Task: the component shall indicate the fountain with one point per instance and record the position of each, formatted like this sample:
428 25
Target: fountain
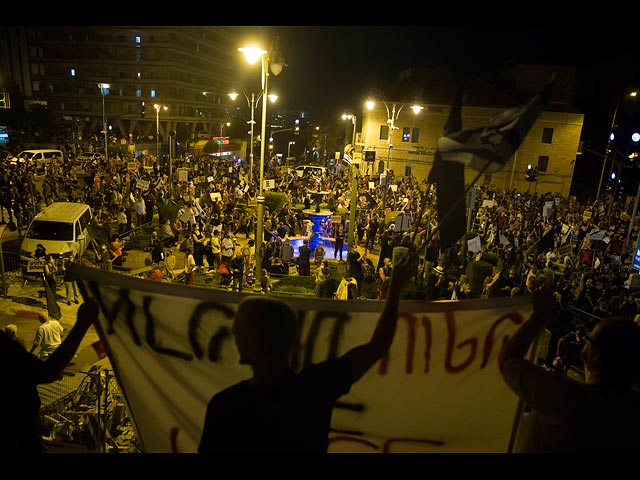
316 215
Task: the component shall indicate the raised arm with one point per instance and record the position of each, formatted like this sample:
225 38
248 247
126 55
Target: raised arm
519 343
364 356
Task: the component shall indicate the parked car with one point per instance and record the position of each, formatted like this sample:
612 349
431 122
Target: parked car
41 157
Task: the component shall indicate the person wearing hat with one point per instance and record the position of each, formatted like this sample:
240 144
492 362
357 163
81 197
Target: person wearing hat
436 283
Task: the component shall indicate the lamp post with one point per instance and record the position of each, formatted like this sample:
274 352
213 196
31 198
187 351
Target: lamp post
354 180
289 148
274 61
252 104
393 112
611 135
104 88
158 107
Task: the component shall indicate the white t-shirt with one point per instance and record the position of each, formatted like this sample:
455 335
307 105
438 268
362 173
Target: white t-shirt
190 264
48 337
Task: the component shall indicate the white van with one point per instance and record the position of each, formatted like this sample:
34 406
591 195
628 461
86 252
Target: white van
40 157
62 228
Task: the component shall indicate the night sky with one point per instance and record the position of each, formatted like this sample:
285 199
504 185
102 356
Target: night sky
333 68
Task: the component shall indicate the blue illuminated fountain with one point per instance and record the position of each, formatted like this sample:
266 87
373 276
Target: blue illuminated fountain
316 216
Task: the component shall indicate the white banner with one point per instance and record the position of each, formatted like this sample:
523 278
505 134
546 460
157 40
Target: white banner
438 390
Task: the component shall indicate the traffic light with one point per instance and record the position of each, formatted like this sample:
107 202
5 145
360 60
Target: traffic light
296 129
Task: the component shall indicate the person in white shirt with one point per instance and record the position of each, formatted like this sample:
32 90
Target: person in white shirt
48 336
190 267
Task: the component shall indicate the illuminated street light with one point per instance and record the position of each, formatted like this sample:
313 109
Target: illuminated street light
273 61
104 89
611 137
158 107
354 179
393 111
253 103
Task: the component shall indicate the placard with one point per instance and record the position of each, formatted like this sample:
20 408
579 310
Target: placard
142 184
474 244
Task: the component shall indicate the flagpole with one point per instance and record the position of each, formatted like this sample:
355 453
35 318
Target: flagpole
452 208
432 233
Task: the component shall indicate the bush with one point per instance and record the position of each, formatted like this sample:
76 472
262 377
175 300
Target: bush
490 257
477 271
398 254
413 291
368 291
275 201
167 209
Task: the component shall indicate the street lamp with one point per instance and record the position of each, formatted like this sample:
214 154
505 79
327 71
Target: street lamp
222 125
253 103
273 61
611 136
393 111
354 180
158 107
104 89
289 148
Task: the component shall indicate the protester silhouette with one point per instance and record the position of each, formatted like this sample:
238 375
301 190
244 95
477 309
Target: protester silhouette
22 372
278 409
601 414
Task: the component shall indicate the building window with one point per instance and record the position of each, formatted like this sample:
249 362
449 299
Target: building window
153 93
487 178
547 135
138 92
73 72
543 163
139 75
137 39
415 135
384 132
407 170
406 134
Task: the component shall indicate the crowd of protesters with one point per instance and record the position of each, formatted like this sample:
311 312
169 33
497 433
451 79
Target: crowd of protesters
575 247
